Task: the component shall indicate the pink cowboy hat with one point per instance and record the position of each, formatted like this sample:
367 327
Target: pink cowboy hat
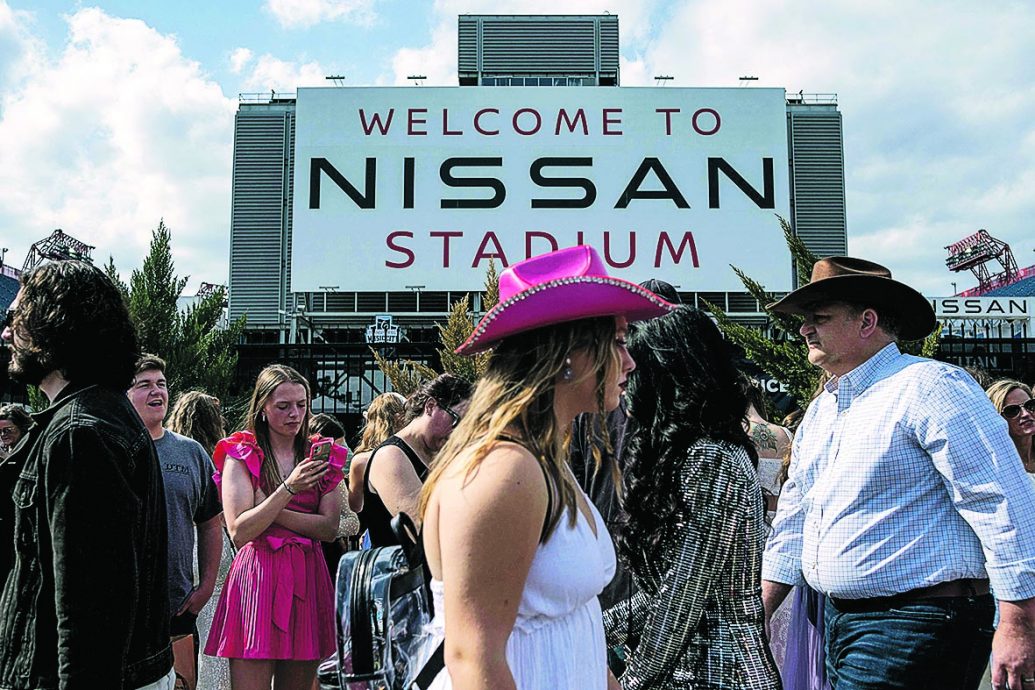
561 286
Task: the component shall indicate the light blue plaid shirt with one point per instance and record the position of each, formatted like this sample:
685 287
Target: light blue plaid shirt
903 476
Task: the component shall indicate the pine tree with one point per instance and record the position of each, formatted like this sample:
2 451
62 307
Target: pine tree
199 353
781 353
406 375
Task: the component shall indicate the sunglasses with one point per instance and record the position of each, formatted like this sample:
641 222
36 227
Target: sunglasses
9 318
449 411
7 431
1011 411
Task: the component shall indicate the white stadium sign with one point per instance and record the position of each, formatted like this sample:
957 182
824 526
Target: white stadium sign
397 186
1008 308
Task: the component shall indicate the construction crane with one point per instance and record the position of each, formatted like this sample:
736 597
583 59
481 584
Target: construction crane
209 289
58 247
973 254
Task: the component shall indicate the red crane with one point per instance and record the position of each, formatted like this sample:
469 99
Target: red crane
973 254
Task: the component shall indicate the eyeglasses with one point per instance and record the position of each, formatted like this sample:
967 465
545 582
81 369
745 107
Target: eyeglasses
1011 411
449 411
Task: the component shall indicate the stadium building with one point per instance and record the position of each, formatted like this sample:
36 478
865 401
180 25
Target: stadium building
360 215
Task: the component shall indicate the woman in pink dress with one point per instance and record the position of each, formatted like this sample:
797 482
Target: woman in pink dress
275 615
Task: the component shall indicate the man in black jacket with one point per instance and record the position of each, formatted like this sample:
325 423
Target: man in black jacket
86 605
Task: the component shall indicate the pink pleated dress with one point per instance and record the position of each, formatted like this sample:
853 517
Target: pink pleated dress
278 600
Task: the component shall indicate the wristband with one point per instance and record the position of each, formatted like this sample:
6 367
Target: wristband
288 488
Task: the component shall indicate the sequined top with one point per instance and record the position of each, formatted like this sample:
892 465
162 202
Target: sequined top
698 613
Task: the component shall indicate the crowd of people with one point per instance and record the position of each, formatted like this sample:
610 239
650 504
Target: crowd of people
608 506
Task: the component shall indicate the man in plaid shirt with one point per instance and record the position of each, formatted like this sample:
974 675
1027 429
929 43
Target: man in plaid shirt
905 501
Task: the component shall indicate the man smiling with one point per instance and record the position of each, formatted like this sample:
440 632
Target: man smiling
191 502
905 500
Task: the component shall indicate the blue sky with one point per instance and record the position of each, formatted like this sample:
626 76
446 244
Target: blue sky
116 114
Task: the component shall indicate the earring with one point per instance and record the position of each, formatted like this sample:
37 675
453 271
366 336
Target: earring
262 416
567 373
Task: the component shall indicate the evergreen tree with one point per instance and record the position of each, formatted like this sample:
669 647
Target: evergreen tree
782 353
406 375
200 353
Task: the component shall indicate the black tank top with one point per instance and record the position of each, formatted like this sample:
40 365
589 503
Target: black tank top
375 516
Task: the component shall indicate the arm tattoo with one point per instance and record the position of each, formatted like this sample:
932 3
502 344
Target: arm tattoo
763 437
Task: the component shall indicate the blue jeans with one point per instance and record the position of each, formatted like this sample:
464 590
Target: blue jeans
939 644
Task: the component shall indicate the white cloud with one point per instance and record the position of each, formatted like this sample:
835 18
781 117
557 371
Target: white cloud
273 74
114 133
239 58
938 134
436 61
20 51
305 13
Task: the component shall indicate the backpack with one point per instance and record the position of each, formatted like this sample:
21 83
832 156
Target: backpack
383 607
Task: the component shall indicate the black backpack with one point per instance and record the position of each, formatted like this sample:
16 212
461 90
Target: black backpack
383 608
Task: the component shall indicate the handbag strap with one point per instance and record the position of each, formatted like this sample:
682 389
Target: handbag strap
431 669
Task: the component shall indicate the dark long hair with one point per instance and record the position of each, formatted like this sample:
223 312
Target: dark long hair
685 388
76 322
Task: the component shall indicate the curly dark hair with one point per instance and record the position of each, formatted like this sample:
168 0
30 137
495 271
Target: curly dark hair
75 321
685 387
445 389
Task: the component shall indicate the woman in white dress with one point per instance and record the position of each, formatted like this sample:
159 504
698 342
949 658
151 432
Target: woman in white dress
517 552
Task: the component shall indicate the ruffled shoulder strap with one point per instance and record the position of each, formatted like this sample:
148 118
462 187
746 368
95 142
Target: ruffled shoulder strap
336 467
239 446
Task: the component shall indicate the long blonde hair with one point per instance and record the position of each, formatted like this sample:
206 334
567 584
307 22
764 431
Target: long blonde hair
516 395
383 418
198 416
267 382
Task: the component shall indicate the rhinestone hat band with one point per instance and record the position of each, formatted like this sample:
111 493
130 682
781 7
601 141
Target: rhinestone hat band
479 331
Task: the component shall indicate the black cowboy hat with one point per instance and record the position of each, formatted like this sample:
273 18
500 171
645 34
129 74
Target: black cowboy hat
844 278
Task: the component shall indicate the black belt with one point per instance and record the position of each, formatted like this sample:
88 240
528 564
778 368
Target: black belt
943 590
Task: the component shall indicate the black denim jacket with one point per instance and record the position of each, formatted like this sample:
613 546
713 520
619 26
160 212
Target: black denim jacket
86 605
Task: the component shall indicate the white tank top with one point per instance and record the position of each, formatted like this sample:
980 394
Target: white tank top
558 637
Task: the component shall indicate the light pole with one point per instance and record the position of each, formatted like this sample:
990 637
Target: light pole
417 289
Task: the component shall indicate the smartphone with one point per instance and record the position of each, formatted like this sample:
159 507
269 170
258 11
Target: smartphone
321 450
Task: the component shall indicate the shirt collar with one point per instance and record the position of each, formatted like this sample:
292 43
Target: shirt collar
849 385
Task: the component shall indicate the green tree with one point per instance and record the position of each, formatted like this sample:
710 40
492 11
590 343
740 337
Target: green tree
781 353
406 375
200 352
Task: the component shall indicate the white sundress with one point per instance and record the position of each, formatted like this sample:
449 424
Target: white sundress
558 637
